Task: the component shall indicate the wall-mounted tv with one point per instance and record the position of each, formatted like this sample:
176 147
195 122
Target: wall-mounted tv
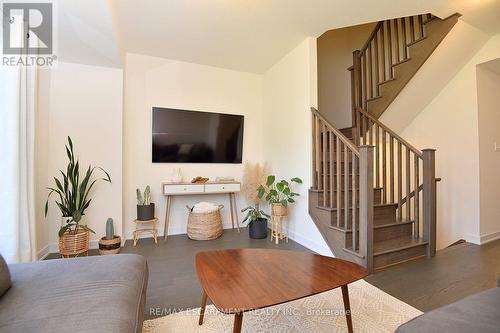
183 136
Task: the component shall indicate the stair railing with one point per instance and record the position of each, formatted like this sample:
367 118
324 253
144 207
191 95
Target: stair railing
399 169
344 174
387 46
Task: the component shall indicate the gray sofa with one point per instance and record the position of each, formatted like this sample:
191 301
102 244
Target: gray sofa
476 313
90 294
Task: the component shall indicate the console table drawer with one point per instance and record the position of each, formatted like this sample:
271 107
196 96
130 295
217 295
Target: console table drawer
183 189
222 188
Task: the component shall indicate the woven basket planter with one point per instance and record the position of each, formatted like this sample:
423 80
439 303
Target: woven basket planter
110 246
74 245
204 226
278 209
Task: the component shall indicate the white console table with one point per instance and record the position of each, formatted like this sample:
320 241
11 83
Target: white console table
172 189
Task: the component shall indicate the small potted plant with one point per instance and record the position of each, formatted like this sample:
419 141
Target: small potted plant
73 199
256 221
111 243
278 194
145 208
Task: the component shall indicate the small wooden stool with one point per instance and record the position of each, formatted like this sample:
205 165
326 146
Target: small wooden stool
153 230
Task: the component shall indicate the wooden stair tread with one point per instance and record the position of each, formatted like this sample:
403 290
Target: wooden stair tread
396 244
401 62
386 81
387 225
350 207
416 41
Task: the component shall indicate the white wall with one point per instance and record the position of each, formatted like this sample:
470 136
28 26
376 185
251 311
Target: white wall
488 89
451 55
450 124
84 102
150 82
289 92
335 49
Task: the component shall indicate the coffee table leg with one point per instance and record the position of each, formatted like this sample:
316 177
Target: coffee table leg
203 306
347 307
238 321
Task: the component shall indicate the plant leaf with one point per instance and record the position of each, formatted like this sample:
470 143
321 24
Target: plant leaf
284 203
296 180
270 180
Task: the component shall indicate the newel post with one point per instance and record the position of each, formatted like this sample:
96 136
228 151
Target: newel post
366 205
430 200
356 84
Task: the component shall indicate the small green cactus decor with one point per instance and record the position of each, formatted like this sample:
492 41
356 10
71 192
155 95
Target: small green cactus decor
110 244
145 208
110 231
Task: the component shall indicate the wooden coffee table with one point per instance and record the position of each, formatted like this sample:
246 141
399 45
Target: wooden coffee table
240 280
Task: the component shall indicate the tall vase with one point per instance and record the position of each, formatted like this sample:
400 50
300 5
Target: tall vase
177 176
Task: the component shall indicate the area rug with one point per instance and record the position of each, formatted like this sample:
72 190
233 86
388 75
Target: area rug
373 311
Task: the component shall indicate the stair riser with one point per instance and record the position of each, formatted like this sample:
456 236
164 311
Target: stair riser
381 215
377 197
382 234
392 258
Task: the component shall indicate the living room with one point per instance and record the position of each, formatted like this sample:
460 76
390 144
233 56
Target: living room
283 107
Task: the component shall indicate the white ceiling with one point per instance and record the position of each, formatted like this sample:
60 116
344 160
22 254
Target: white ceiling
244 35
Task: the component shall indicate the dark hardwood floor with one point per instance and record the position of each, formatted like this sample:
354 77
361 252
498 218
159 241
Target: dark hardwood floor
426 284
173 283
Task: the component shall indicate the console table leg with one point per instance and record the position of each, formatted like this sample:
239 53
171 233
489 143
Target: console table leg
236 212
238 321
203 306
231 207
347 307
167 215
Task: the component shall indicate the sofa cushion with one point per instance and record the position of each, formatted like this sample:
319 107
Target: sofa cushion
476 313
91 294
4 276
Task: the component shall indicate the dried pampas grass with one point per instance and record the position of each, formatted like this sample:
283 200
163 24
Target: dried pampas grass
254 174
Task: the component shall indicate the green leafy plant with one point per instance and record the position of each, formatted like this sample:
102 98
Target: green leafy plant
278 192
73 192
253 214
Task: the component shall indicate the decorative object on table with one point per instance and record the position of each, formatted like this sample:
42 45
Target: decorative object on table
279 195
138 230
73 200
204 221
145 208
224 179
177 176
253 176
111 243
199 180
256 221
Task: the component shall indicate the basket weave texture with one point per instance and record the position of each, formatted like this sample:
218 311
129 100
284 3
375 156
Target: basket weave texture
74 244
204 226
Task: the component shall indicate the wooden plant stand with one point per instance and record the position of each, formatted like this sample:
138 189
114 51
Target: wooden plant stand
279 228
153 230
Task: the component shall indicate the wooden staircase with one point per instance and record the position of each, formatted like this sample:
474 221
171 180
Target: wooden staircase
395 51
373 196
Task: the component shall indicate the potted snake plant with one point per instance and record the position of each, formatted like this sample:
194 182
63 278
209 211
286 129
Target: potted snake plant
278 194
72 198
145 208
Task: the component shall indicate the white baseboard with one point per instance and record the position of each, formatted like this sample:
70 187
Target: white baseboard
483 239
43 253
490 237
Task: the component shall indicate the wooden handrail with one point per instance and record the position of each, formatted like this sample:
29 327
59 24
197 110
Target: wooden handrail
372 35
345 140
391 132
420 188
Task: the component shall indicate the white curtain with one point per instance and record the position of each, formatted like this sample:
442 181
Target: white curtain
17 133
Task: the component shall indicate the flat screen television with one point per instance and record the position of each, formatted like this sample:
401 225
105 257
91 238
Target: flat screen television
184 136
